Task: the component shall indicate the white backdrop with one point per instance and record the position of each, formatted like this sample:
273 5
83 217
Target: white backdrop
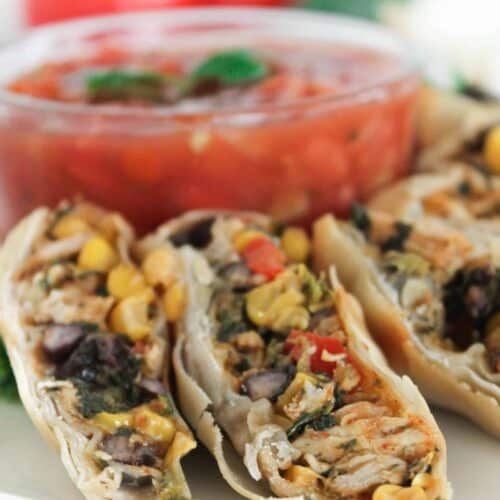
10 18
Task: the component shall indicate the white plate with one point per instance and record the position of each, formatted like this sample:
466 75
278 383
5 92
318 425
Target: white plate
29 469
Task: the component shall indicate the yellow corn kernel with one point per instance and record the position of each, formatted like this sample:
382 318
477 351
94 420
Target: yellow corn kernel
295 243
302 477
280 304
243 238
425 481
386 492
160 267
125 280
97 255
394 492
174 301
130 315
70 225
491 150
181 446
110 422
294 388
412 493
153 425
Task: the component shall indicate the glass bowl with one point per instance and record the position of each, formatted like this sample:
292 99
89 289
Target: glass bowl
294 159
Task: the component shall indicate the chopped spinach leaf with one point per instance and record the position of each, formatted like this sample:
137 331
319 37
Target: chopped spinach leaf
229 326
397 240
349 445
113 399
321 418
274 354
339 396
323 422
230 314
104 370
136 482
464 188
360 218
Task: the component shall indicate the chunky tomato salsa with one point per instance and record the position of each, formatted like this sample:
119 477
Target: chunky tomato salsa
288 129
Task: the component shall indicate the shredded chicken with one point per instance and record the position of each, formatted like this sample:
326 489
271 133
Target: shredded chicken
359 472
368 445
69 305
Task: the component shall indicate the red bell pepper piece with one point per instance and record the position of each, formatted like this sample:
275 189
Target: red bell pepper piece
262 256
298 340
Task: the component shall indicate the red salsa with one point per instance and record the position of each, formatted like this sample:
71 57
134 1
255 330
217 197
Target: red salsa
288 129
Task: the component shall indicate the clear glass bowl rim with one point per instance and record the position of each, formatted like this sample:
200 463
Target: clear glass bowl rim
241 15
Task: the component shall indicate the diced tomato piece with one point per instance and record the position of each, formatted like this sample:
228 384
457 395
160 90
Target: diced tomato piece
298 340
139 347
262 256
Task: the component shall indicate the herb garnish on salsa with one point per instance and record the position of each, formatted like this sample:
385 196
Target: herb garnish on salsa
221 70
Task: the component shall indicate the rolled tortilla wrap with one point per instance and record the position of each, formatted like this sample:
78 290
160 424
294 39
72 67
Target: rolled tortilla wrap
401 290
460 194
450 126
298 428
90 367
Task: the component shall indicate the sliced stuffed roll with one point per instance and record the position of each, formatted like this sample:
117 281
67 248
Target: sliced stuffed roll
278 359
455 127
87 339
460 194
431 295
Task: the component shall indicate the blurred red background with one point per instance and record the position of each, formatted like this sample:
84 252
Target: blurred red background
43 11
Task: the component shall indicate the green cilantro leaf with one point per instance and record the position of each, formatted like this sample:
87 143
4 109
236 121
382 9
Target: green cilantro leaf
120 85
228 68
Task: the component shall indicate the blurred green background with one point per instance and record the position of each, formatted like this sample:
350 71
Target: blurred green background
368 9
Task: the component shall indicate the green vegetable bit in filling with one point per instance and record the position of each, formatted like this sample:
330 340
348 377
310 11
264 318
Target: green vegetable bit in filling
318 420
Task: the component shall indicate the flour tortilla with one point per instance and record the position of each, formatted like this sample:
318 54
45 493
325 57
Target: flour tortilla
50 418
204 391
447 123
444 380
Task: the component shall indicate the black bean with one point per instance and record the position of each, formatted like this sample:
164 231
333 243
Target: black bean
199 235
151 388
130 481
267 384
101 358
59 341
122 449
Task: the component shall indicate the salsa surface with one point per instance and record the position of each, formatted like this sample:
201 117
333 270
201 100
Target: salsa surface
294 151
